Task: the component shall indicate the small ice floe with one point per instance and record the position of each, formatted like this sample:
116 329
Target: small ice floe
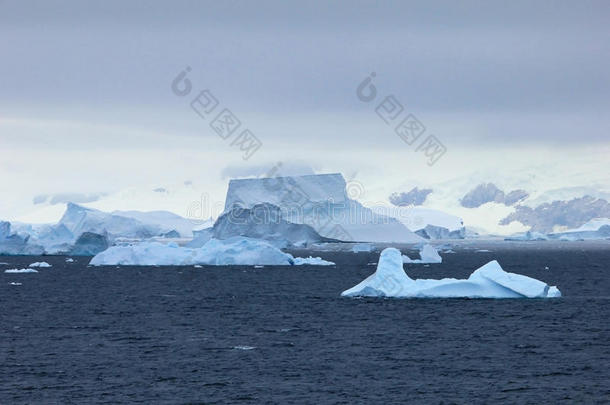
244 347
21 271
14 283
427 254
258 267
546 267
3 263
317 261
488 281
69 260
482 250
198 266
40 264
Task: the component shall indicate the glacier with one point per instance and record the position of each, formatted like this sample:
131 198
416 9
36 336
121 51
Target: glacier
488 281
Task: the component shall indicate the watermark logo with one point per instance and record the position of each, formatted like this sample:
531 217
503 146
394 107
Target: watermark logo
409 128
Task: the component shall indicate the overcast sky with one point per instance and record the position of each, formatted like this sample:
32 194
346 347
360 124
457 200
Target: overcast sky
94 78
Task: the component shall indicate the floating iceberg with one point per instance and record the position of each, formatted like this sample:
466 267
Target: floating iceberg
317 261
40 264
489 281
427 254
265 221
21 271
321 201
232 251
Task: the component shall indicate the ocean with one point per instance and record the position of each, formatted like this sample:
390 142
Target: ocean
77 334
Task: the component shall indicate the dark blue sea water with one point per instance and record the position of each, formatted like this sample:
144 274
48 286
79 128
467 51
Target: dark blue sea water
77 334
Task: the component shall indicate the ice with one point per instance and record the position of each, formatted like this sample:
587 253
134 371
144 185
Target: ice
489 281
17 244
318 261
427 254
21 271
265 221
40 264
362 247
322 202
78 219
89 244
233 251
529 235
165 221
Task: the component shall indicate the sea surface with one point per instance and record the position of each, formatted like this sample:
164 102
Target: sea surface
172 335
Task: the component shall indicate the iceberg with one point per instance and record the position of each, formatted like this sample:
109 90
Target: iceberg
40 264
439 232
488 281
166 222
21 271
316 261
233 251
78 220
264 221
427 254
89 244
322 202
16 244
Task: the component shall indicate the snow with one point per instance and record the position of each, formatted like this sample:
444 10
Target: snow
233 251
489 281
40 264
427 254
318 261
21 271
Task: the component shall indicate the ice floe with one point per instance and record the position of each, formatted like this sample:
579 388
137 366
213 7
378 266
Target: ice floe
40 264
488 281
21 271
317 261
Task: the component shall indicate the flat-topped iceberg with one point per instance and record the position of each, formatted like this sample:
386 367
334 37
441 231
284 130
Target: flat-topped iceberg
232 251
427 254
489 281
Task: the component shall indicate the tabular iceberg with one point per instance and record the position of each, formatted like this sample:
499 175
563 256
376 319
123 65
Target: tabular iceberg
489 281
232 251
321 201
427 254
